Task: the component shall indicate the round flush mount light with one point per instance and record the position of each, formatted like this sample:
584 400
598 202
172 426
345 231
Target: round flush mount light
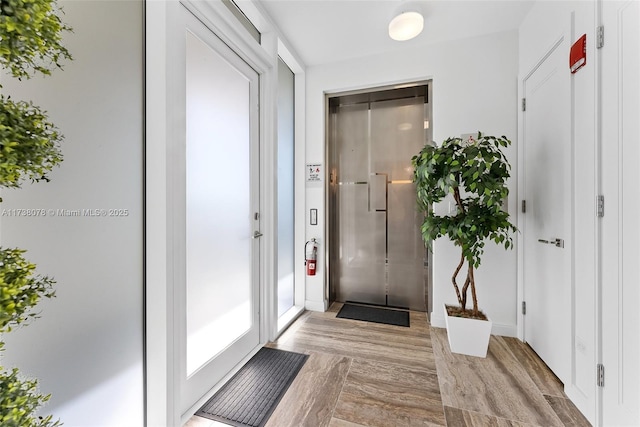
406 25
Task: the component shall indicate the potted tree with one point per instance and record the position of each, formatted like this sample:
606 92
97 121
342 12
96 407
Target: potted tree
473 173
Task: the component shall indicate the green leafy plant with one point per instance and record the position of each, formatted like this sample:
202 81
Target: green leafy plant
31 38
20 289
29 143
31 34
474 172
19 400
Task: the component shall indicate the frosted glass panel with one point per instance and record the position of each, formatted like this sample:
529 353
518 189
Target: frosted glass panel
218 210
285 188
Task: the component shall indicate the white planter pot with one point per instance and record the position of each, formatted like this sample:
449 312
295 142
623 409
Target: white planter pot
468 336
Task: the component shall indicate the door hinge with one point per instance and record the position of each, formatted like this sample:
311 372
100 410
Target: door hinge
600 36
600 375
600 206
524 307
524 104
524 206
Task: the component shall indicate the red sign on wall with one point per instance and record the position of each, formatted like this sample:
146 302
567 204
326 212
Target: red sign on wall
578 55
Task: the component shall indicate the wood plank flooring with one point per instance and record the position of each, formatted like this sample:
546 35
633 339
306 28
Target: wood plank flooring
368 374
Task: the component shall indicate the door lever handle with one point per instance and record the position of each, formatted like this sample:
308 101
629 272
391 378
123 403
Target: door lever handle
256 235
553 241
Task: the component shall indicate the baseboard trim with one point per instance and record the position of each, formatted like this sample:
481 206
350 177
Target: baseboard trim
315 306
582 402
437 319
504 330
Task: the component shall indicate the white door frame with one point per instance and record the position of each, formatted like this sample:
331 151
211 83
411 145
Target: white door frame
619 322
161 364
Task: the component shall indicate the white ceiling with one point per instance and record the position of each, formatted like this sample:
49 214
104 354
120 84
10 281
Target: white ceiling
323 31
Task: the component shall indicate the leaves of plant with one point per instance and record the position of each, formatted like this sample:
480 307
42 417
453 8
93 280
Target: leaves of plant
475 172
20 400
31 37
29 143
20 289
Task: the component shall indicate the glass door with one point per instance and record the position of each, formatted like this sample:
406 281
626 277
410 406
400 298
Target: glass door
217 222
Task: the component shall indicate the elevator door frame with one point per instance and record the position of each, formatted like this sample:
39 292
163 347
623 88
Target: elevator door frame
330 288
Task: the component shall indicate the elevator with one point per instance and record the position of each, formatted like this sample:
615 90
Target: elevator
376 254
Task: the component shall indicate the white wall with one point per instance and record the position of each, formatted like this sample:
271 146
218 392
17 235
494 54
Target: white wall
545 23
474 88
87 349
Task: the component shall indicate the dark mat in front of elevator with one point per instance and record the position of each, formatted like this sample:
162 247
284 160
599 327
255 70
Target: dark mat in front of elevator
374 314
251 395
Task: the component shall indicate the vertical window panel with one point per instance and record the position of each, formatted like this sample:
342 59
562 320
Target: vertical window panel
285 188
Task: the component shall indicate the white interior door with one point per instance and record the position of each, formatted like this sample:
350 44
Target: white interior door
547 192
621 222
216 228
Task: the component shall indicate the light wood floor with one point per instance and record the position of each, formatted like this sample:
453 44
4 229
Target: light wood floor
367 374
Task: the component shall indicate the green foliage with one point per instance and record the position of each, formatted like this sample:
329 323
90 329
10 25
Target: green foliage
20 289
31 35
19 399
30 43
474 172
29 143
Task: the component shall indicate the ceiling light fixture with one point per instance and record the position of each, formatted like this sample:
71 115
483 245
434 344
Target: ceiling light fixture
407 22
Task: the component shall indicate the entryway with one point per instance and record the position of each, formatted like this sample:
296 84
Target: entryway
376 252
215 199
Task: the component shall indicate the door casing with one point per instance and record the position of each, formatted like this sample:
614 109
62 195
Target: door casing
619 227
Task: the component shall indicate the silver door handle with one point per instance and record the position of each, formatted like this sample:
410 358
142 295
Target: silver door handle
256 235
553 241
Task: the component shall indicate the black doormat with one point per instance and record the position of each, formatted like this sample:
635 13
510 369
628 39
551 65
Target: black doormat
374 314
251 395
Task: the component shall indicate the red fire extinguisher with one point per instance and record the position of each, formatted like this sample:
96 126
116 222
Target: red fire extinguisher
311 256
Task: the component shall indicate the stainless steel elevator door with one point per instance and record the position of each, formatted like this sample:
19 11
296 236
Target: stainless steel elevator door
377 255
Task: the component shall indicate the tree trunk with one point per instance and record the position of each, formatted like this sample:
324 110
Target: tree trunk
455 283
473 290
458 199
465 289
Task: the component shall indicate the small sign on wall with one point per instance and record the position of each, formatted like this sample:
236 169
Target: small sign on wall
314 172
578 55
